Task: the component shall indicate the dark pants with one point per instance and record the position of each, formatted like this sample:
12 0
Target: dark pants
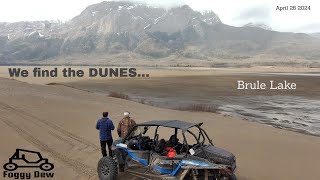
104 147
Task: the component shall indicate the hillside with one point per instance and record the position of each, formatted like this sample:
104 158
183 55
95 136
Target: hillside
141 31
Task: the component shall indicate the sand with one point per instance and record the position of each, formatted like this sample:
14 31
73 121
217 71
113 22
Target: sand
59 122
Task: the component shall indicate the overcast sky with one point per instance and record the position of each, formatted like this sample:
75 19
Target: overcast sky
232 12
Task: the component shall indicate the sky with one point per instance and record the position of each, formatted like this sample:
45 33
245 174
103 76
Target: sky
231 12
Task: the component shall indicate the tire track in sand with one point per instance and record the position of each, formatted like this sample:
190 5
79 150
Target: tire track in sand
59 134
78 166
31 117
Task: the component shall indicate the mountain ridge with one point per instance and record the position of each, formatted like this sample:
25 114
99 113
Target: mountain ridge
111 28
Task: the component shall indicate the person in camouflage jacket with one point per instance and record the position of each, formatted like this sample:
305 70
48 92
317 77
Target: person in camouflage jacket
125 125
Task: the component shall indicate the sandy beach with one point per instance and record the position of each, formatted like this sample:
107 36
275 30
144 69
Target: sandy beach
59 122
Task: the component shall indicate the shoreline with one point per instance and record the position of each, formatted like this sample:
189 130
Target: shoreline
217 88
144 101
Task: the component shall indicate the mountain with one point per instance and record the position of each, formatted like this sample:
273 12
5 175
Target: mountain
317 35
259 25
110 30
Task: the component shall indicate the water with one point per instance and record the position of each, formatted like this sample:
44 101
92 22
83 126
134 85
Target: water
286 112
292 110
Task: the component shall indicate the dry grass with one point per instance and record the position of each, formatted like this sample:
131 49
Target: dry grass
142 101
119 95
52 84
199 107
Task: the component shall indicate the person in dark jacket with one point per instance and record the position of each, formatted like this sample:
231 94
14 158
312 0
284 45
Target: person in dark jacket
105 126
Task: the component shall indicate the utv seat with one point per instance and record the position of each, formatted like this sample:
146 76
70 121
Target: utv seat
161 147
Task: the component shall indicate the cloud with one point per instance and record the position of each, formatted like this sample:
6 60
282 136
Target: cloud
309 28
257 14
231 12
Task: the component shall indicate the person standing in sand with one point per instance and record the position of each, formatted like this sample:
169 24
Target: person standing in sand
125 125
105 126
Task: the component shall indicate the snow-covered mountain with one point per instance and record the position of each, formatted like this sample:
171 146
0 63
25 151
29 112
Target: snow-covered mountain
110 28
259 25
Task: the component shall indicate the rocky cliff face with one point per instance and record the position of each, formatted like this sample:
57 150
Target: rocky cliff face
124 27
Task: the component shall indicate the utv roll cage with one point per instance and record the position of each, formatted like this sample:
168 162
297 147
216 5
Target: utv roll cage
175 124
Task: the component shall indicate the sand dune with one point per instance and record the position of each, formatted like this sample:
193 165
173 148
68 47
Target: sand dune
59 122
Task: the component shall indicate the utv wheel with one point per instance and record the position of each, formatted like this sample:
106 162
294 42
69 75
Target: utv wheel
233 177
46 166
107 169
114 157
229 177
10 166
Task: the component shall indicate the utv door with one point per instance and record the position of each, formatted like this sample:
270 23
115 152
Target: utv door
137 161
165 165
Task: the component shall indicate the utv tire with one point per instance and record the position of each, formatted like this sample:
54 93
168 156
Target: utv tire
233 177
228 177
107 169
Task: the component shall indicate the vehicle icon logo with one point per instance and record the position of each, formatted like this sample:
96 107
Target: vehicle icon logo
27 159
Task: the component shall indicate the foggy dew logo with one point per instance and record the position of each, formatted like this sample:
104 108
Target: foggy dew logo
26 164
